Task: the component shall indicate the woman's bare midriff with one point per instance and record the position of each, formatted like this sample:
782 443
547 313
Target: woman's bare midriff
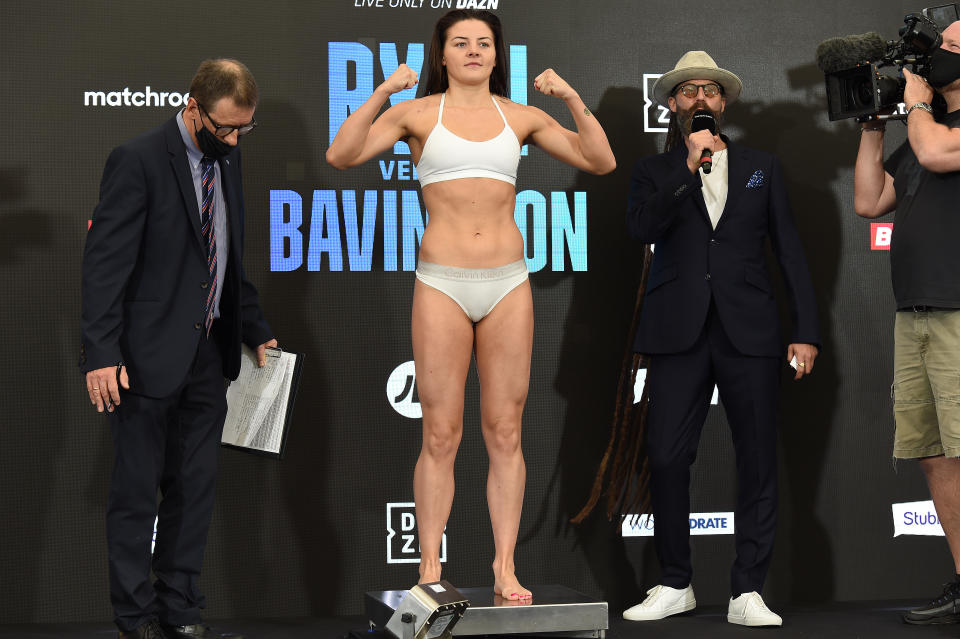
471 224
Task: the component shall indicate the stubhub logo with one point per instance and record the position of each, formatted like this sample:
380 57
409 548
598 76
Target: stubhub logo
916 518
700 524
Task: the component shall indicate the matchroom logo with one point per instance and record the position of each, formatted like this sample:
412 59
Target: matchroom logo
655 117
127 98
402 391
403 544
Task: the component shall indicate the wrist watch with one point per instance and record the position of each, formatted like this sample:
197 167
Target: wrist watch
920 105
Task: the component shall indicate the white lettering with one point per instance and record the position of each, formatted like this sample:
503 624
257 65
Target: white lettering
407 521
113 98
884 234
94 98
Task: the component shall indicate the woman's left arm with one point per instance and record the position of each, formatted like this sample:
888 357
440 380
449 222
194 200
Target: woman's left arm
588 148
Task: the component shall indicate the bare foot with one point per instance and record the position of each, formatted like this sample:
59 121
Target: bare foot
509 588
500 601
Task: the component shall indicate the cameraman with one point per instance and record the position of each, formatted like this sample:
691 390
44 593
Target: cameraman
922 181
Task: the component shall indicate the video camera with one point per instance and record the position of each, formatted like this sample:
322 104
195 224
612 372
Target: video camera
863 73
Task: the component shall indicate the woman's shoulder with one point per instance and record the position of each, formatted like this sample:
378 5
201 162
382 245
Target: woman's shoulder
525 113
418 105
415 113
516 108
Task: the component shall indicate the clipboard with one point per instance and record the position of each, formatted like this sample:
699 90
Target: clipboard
260 403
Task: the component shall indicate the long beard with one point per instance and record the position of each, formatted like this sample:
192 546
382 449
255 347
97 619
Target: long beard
685 118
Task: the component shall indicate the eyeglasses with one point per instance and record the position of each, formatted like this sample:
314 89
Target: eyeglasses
691 90
222 130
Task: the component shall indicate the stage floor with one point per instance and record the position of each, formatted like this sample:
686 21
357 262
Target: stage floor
869 620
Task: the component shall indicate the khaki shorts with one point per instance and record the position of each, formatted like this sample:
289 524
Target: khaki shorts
926 384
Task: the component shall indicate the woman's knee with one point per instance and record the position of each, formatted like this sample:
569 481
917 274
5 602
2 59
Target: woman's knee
502 434
441 440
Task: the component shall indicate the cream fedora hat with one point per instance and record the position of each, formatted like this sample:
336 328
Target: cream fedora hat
697 65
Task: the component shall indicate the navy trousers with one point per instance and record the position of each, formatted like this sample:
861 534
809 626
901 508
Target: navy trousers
680 388
168 445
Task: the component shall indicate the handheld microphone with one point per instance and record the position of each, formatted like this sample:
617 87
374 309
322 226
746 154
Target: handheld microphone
704 120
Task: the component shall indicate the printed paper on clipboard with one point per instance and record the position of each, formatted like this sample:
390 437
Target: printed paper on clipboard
260 402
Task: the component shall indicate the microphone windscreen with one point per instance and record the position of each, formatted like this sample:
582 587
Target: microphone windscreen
837 54
703 120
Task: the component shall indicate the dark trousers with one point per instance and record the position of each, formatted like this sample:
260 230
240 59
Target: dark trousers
680 388
170 445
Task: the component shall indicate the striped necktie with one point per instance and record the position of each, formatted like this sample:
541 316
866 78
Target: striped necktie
208 178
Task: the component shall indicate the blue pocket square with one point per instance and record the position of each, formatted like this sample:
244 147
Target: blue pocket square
756 180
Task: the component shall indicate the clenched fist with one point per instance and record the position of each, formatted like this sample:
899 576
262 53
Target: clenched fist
403 78
549 83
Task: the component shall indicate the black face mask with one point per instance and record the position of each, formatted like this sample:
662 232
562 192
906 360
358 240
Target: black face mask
944 68
212 146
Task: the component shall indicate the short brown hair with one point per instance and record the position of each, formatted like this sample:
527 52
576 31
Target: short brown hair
224 78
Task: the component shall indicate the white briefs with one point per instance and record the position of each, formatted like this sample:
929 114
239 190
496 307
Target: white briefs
476 290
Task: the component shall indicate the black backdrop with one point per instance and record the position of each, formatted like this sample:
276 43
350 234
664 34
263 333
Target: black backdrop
309 535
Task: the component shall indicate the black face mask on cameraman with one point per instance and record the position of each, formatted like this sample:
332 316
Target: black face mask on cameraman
211 146
944 68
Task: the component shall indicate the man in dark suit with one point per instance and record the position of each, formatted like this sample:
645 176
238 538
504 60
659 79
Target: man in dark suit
166 305
709 318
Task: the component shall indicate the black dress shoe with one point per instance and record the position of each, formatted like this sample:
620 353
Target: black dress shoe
149 630
196 631
943 609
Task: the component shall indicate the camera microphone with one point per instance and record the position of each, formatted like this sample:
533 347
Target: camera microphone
837 54
703 120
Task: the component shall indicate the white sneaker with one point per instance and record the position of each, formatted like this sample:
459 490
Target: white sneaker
749 610
662 601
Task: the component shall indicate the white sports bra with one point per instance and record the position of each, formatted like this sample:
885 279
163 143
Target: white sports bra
447 156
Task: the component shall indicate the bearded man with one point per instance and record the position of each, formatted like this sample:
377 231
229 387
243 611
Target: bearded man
710 318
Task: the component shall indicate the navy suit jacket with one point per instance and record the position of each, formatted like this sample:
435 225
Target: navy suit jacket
693 263
145 278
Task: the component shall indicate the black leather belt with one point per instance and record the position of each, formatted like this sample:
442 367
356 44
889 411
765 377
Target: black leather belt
923 308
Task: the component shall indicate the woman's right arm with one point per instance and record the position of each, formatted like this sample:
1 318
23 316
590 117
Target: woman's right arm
360 137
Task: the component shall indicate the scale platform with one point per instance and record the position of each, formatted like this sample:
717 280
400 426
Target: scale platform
556 611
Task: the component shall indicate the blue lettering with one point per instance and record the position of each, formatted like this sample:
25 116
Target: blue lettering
359 244
403 170
413 224
286 240
386 169
324 232
518 78
343 100
573 234
538 222
389 230
534 215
